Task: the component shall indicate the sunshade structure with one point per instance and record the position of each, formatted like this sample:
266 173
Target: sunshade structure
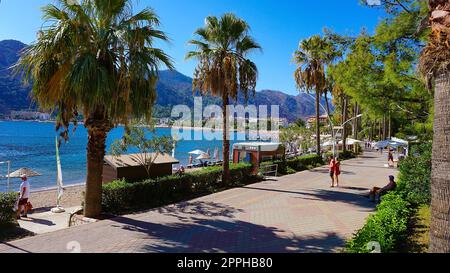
203 156
393 142
197 152
350 141
23 171
328 143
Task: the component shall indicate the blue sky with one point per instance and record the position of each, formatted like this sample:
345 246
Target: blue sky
278 25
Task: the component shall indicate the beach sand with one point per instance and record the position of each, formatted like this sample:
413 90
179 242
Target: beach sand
43 199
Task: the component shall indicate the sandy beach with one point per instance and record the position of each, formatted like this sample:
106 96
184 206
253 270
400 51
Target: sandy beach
46 198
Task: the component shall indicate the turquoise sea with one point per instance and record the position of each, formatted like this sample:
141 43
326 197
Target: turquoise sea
32 144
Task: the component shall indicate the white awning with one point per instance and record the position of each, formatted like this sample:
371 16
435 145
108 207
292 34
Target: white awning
261 146
197 152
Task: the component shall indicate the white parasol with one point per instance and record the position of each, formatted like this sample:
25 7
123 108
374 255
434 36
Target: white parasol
203 156
23 171
197 152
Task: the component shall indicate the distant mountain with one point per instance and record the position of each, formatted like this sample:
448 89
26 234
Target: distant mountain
173 88
13 95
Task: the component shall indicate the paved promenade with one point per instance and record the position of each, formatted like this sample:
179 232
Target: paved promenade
294 213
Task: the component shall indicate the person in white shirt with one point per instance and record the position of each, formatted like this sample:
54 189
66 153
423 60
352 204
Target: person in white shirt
24 194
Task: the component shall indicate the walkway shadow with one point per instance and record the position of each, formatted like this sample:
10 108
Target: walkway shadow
369 166
39 221
328 195
215 235
355 188
326 171
184 210
18 249
367 156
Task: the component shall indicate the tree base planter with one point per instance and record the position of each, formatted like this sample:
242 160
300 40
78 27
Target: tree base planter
77 218
58 209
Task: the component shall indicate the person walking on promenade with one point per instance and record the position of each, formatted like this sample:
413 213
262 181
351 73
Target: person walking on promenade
332 168
337 170
390 158
24 194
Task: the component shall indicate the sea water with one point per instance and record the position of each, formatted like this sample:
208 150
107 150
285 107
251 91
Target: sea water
31 144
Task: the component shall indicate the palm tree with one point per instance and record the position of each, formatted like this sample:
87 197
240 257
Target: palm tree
224 69
311 57
95 58
434 64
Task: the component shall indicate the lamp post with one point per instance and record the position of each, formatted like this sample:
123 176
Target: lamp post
342 127
329 119
333 135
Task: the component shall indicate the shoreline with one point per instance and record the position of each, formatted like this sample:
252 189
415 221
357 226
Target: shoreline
46 198
162 126
54 188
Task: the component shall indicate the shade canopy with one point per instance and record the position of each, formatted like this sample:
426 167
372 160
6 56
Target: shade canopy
394 142
350 141
23 171
197 152
203 156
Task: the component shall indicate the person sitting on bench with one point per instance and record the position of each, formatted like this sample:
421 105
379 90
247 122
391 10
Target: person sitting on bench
376 192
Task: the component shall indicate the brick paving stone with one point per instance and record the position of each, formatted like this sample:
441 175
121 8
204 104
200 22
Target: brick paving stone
293 213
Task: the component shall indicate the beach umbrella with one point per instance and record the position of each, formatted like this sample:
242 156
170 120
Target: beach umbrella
23 171
196 152
382 144
203 156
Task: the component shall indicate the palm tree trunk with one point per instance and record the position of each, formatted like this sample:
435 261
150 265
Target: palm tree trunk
344 130
317 123
390 125
225 141
327 105
380 133
440 174
355 126
97 132
355 122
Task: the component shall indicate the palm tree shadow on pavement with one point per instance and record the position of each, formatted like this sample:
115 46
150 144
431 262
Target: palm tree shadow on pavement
184 210
217 235
327 195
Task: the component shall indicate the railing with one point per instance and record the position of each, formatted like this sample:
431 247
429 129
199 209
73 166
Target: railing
268 170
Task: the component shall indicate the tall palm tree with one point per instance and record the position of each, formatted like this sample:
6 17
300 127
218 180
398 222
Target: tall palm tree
311 57
95 58
435 65
224 69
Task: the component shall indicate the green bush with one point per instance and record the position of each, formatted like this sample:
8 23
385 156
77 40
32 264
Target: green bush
301 163
388 226
7 203
296 164
344 155
120 196
415 175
